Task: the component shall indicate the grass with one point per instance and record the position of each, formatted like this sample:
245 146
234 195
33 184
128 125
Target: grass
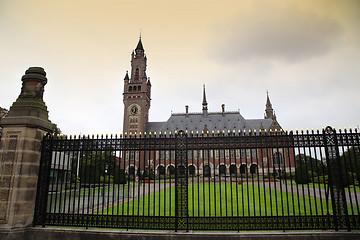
224 199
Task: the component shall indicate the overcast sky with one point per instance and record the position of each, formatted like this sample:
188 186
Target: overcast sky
305 53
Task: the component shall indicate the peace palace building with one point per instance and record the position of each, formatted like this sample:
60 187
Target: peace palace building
137 98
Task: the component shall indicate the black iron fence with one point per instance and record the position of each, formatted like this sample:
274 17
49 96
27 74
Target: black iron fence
208 181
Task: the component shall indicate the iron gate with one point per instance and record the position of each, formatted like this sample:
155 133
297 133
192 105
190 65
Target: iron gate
207 181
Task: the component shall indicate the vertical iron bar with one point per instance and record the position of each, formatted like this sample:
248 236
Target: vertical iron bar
237 185
43 181
356 156
216 162
269 175
345 158
256 151
225 183
264 186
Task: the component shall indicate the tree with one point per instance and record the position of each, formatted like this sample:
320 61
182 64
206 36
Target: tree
308 169
3 112
54 129
350 164
99 167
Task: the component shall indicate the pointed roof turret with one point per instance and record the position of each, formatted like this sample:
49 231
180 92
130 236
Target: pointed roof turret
139 45
268 103
204 96
126 76
269 111
204 103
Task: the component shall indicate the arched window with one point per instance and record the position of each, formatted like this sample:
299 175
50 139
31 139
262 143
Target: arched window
192 170
161 170
181 170
207 171
278 158
171 170
222 169
233 169
139 88
253 169
243 169
130 88
132 171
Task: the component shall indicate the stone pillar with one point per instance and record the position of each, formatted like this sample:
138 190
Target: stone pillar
22 132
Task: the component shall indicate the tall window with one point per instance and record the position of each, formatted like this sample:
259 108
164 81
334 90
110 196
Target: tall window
137 74
278 158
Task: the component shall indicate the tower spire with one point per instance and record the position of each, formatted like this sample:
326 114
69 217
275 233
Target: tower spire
139 45
204 103
269 111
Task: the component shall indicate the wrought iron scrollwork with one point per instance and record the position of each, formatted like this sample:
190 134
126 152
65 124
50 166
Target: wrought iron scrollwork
181 181
336 183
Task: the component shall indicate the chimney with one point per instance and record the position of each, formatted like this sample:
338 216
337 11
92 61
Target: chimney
223 109
186 111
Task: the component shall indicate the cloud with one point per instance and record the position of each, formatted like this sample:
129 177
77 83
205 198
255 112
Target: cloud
275 33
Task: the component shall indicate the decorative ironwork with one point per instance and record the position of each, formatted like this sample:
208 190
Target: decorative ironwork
208 181
181 184
336 182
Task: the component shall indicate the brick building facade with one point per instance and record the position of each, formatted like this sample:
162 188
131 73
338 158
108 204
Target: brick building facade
137 98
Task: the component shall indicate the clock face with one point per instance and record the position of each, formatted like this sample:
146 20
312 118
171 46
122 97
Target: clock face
134 110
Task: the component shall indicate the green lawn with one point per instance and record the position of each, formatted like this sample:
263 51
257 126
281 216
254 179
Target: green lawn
224 199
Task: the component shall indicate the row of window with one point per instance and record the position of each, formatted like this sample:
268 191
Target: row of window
134 88
209 154
207 171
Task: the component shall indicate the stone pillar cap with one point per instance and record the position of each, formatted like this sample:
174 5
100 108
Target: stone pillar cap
35 73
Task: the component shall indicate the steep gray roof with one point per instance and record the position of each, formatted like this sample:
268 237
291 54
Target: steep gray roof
154 126
256 123
213 122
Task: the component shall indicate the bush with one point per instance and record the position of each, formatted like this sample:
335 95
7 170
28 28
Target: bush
320 179
120 176
348 179
301 175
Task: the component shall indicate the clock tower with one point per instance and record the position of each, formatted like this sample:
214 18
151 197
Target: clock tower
136 96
